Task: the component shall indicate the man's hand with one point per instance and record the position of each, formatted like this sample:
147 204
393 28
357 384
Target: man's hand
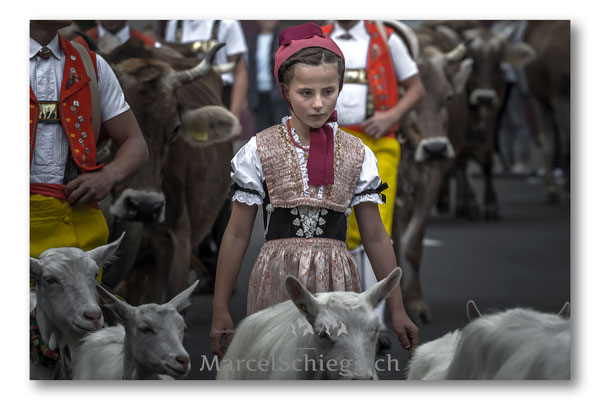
90 187
380 123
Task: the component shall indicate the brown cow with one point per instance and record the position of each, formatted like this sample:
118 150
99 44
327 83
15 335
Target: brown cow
433 133
549 79
486 88
170 204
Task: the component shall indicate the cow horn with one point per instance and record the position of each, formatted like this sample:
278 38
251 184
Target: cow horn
448 33
224 68
457 53
201 69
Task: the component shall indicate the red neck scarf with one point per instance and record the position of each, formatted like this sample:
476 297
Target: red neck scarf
320 155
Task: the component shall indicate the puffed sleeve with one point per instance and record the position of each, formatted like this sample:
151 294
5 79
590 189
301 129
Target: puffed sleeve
369 186
247 175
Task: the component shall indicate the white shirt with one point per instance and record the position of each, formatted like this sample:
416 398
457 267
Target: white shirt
264 72
230 33
123 35
352 102
45 78
248 173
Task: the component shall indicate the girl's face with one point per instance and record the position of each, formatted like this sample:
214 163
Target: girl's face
313 92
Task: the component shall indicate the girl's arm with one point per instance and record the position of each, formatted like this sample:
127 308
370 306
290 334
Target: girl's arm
233 248
379 249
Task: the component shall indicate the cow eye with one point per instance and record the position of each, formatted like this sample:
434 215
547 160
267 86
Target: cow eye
174 134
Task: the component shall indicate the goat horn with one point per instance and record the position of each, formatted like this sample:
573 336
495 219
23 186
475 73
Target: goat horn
457 53
201 69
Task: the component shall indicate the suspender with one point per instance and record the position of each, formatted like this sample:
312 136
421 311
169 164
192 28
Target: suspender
95 94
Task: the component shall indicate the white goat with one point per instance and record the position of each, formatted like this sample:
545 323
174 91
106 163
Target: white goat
514 344
324 336
65 301
147 346
430 360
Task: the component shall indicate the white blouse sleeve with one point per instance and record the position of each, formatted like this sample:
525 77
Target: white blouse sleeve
247 175
368 181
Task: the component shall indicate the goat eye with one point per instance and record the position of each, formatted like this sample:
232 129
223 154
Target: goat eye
51 281
146 330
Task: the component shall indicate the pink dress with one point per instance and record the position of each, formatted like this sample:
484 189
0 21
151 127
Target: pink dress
305 226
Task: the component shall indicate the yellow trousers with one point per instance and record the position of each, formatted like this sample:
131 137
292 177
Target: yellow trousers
56 223
387 152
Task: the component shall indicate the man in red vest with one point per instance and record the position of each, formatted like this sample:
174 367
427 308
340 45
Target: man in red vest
120 32
66 181
370 107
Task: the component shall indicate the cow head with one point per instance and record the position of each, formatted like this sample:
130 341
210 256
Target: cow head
153 90
444 75
489 50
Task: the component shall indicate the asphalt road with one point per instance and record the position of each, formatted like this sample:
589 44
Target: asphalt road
521 260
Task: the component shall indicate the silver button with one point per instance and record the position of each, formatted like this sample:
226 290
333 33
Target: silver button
73 58
80 118
83 135
76 103
80 140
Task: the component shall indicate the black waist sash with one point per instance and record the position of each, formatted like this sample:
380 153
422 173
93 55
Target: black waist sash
283 223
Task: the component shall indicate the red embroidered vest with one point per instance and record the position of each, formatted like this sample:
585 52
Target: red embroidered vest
75 110
380 72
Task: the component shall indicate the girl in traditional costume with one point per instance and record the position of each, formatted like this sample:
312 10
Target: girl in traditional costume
307 175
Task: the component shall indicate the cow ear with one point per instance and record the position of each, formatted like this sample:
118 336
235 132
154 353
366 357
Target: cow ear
519 53
123 311
462 76
209 124
35 269
565 311
383 288
106 254
302 298
182 300
472 310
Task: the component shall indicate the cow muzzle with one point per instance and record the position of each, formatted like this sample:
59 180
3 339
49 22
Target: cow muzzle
141 206
431 149
483 96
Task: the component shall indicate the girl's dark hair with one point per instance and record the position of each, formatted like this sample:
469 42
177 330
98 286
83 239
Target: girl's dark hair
311 56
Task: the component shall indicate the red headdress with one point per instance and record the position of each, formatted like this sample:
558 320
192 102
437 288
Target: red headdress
320 156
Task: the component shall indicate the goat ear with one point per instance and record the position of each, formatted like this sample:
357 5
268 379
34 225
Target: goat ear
383 288
182 300
472 310
35 269
123 310
302 298
565 311
106 254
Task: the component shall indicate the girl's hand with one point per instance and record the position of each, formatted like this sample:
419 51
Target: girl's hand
221 332
407 331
